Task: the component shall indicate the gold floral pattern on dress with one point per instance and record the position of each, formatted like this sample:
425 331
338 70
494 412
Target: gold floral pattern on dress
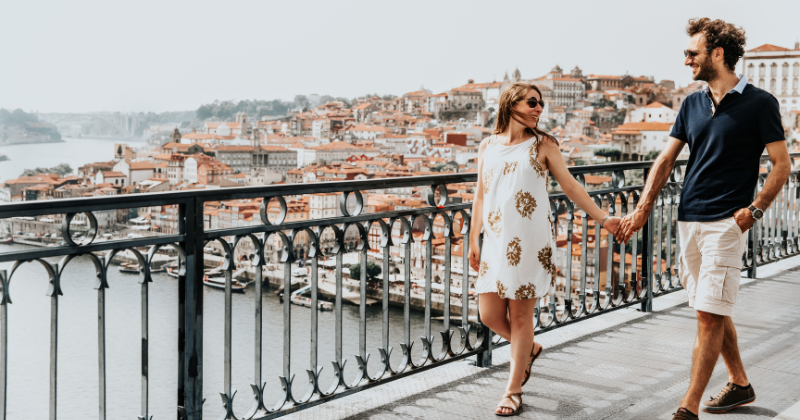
484 268
550 219
509 167
526 204
546 258
533 158
496 222
501 290
526 291
487 180
513 251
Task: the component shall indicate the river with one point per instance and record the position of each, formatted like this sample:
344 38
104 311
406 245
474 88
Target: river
29 329
75 152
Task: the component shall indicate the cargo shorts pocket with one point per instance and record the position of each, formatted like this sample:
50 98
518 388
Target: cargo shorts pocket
721 282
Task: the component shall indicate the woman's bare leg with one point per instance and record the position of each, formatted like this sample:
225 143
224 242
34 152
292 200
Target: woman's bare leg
520 315
494 314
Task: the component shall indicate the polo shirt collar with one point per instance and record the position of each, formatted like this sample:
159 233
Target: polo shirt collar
739 88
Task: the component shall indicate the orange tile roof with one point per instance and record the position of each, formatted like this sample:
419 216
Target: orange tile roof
768 47
643 126
655 105
234 149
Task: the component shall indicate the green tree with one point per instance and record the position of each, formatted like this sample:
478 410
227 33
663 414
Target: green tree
608 152
62 170
373 271
651 155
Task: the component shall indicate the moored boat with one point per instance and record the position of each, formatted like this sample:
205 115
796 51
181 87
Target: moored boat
297 298
219 283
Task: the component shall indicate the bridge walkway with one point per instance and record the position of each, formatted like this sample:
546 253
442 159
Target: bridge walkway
623 365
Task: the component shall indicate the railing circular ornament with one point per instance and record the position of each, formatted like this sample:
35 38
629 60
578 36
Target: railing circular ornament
343 203
265 208
676 175
67 226
581 178
432 195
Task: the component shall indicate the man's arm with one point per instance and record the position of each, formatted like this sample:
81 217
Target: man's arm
781 168
659 174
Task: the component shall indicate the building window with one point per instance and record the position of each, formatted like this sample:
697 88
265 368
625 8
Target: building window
785 84
761 84
750 70
772 84
762 70
785 69
773 70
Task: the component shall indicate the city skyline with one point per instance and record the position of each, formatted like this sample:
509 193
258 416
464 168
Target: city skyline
83 58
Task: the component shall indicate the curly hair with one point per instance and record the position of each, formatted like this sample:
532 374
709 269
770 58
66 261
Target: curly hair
718 34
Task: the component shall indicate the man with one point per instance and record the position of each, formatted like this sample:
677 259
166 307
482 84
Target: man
727 125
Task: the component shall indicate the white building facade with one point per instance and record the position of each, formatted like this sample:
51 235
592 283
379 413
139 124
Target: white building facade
776 70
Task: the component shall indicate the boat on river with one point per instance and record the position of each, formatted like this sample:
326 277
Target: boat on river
219 283
8 240
129 268
297 298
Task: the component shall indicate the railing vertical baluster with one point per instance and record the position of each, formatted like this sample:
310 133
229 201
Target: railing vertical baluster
191 296
3 344
568 269
145 347
670 202
287 314
428 282
484 358
621 284
227 396
362 309
101 347
465 283
659 240
338 307
597 264
314 314
753 244
54 344
584 260
647 261
447 259
407 291
387 254
609 255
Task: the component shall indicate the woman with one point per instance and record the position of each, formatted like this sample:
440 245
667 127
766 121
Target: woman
516 266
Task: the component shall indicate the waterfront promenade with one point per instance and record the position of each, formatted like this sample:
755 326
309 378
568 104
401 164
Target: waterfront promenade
623 365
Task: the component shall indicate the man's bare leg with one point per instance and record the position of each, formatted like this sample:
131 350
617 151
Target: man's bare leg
730 353
707 347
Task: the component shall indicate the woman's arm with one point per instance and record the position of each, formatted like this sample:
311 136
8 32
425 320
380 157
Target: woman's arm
476 221
554 162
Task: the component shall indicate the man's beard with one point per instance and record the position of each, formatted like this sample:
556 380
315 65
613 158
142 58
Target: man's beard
706 71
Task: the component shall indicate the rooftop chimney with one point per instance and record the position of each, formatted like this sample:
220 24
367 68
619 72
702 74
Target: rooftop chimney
797 45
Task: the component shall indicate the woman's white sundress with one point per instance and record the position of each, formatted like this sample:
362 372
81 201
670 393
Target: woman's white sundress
518 243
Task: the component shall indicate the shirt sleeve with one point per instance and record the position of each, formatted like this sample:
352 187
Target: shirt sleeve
679 128
770 128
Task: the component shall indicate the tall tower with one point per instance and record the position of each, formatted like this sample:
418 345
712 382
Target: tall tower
255 141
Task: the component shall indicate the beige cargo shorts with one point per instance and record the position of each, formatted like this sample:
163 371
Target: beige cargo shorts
710 264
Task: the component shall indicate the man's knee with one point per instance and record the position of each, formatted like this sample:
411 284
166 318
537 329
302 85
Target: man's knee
707 319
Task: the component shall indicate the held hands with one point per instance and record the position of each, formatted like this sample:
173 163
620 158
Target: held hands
631 224
612 224
744 219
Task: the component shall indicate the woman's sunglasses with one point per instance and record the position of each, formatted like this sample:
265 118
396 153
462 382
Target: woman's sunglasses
532 102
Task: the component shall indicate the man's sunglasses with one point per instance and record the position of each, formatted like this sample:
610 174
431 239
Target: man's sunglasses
532 102
691 53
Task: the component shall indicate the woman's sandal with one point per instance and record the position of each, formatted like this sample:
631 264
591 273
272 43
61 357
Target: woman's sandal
515 399
533 359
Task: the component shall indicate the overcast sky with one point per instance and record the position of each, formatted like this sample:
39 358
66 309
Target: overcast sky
79 56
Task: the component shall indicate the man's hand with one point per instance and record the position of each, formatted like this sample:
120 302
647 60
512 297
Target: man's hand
744 218
474 256
631 224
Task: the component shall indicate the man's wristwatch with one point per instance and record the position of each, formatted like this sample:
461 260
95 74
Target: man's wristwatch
756 212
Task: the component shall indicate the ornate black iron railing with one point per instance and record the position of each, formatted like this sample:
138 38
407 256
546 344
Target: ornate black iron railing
609 276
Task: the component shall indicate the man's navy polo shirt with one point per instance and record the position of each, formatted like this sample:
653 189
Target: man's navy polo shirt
725 149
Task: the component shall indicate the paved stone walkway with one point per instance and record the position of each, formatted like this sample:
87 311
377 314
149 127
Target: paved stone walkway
625 365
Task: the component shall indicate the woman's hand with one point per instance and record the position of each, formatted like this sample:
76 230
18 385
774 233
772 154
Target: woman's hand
612 225
474 255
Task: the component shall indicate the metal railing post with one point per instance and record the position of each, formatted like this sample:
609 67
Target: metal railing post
647 257
484 357
190 348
